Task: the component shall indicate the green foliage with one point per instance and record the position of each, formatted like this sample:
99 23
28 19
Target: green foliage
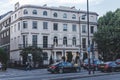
3 56
108 35
69 57
36 53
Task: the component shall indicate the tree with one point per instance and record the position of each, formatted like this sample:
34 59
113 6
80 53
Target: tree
69 56
108 41
108 35
3 58
36 53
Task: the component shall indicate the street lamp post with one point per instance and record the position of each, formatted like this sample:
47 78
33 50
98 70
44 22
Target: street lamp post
88 37
64 53
79 43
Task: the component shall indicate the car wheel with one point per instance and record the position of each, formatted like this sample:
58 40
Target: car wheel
61 71
102 70
77 70
112 70
52 72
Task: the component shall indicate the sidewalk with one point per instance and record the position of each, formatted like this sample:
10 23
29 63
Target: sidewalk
17 72
97 73
43 72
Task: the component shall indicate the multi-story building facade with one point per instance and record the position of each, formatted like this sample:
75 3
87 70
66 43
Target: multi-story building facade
57 30
5 31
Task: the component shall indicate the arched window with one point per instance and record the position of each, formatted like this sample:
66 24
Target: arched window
45 13
55 40
64 40
73 16
34 12
25 12
64 15
74 41
55 14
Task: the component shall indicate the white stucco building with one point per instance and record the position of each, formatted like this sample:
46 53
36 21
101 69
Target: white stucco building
57 30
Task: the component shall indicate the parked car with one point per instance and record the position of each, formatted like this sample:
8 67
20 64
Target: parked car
110 66
61 67
117 61
94 65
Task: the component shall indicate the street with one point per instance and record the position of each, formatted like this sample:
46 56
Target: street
105 77
43 74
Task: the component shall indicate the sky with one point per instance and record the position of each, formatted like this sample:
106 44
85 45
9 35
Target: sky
98 6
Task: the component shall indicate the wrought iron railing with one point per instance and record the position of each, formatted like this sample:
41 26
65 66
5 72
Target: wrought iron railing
48 46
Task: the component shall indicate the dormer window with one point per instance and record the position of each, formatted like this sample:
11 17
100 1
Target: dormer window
35 12
25 12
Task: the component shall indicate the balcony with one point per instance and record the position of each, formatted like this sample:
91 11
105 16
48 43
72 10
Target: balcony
22 46
47 46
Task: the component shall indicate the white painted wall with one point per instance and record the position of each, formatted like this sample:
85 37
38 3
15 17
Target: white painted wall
15 34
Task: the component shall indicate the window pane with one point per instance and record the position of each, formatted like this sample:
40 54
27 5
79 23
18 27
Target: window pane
45 13
64 27
84 42
73 27
74 16
55 41
34 24
34 40
18 26
64 15
34 11
92 29
45 25
55 26
45 41
83 17
25 11
65 41
25 41
25 24
55 14
74 40
83 28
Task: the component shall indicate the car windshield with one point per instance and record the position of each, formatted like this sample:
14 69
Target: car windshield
96 61
108 62
118 60
66 64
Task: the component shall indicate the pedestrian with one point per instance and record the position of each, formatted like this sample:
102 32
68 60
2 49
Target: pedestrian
28 66
0 66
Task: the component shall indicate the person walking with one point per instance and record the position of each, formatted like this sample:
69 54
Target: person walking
0 66
28 66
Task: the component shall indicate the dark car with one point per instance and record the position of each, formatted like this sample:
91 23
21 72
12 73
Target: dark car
117 61
94 64
61 67
110 66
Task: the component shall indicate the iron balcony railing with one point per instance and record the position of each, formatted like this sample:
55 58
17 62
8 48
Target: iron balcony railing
47 46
